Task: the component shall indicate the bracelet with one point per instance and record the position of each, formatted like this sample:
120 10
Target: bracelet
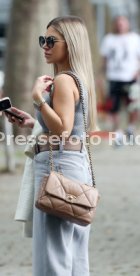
38 105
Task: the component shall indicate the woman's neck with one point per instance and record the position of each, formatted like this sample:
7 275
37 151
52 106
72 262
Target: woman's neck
63 67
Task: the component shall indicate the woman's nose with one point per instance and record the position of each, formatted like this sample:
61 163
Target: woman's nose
45 46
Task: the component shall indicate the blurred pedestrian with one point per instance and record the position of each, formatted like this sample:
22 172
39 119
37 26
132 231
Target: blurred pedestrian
1 85
120 53
59 246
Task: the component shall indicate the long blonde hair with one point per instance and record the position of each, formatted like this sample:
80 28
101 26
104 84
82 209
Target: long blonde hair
74 31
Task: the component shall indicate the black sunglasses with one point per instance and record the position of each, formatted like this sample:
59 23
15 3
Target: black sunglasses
49 41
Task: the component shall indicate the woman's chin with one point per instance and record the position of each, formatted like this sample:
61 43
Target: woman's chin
48 61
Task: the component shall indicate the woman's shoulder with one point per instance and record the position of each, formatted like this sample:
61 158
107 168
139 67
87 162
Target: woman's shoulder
65 83
63 78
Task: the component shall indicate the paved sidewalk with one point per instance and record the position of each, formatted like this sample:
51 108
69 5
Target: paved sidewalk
115 235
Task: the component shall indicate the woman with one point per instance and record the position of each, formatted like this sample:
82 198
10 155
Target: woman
59 246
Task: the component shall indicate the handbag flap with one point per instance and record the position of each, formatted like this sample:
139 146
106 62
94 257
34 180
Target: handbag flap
70 191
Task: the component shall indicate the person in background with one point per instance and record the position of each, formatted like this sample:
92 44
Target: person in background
120 52
1 86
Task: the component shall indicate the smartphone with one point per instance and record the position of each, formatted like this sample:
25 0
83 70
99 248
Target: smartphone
5 103
11 113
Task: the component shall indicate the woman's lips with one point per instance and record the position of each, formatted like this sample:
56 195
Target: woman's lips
47 55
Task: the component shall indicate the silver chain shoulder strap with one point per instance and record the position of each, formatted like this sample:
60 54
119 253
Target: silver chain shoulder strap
79 85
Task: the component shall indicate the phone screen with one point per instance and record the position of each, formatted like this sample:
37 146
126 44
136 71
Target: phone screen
5 103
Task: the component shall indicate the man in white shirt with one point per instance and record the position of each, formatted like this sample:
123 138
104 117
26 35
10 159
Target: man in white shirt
1 86
120 53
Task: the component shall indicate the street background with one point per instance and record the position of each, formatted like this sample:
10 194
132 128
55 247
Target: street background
114 246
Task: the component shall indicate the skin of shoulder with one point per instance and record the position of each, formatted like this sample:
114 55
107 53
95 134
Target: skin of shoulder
64 100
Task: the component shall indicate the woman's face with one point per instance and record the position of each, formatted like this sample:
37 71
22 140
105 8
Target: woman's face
58 54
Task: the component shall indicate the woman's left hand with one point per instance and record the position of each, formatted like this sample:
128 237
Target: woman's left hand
28 120
42 84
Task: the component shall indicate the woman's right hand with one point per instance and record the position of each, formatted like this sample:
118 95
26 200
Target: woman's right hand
42 84
28 120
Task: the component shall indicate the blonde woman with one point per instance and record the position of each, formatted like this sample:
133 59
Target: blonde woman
60 248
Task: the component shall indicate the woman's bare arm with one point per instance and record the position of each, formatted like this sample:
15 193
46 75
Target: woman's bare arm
61 117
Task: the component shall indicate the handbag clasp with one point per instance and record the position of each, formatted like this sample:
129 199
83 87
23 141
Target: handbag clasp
70 197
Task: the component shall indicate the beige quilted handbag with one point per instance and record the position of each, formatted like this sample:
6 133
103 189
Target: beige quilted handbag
66 198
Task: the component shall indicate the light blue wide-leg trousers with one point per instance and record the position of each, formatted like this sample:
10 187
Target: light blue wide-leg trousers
60 248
